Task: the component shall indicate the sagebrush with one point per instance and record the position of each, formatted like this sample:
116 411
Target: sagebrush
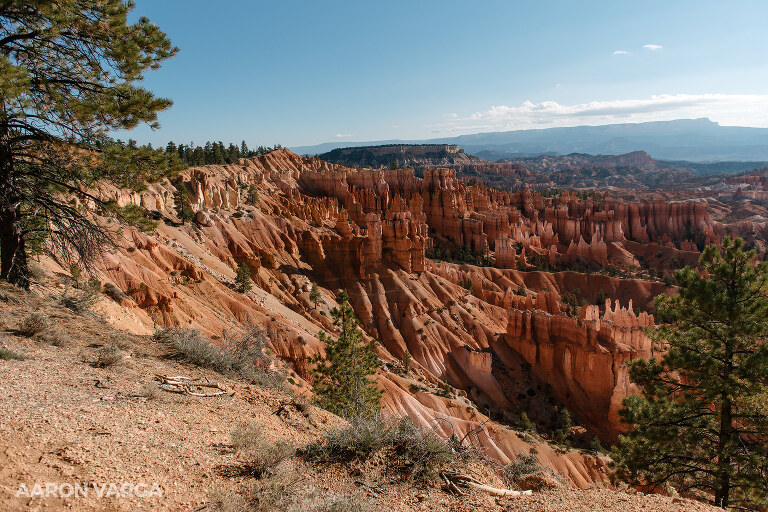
261 455
108 355
420 453
243 355
34 323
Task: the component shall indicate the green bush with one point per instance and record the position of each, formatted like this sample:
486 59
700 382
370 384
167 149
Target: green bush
525 423
343 383
253 195
137 217
243 277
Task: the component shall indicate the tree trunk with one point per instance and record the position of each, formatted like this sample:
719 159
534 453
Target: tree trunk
723 485
13 255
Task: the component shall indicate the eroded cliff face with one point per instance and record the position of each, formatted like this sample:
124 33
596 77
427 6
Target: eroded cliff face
484 341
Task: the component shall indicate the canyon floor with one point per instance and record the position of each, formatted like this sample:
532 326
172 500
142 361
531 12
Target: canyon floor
65 420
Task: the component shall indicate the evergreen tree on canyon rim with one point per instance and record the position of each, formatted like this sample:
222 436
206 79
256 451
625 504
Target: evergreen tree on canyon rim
342 378
68 75
701 424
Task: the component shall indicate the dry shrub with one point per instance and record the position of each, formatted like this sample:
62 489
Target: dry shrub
34 323
60 339
13 295
539 481
301 404
339 503
262 456
526 472
242 357
81 301
36 271
227 502
10 354
419 452
280 494
115 293
120 339
150 390
108 355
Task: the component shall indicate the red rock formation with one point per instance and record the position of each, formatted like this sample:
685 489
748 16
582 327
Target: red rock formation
367 232
584 359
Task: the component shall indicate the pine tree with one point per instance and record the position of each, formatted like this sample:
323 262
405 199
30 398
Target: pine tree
407 361
563 424
70 74
233 154
243 277
181 202
700 424
525 423
198 156
314 295
253 195
342 379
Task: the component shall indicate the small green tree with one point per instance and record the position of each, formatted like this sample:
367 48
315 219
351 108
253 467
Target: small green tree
181 202
699 424
407 361
253 195
525 423
243 277
342 383
563 424
314 295
76 273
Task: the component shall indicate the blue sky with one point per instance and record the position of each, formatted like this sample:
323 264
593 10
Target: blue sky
305 72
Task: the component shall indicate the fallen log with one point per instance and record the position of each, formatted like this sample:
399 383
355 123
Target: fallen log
187 386
454 480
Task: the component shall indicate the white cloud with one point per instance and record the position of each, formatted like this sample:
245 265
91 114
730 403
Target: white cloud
727 109
620 52
342 135
653 47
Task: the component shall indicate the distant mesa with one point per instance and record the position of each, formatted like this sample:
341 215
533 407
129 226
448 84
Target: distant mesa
636 170
401 155
694 140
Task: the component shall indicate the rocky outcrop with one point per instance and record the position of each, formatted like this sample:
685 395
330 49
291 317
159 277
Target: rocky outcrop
584 359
